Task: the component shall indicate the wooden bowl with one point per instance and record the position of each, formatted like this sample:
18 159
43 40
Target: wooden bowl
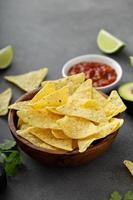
57 158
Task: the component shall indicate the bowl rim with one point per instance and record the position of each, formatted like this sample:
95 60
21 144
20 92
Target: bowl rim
81 58
11 123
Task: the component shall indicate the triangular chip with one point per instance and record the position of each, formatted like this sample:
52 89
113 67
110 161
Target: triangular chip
114 105
53 110
34 140
20 105
104 130
77 128
30 80
82 94
100 99
24 126
5 98
39 118
47 89
129 166
59 134
46 136
97 116
91 103
58 98
73 82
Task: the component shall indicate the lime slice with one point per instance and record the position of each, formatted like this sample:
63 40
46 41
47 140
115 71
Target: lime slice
108 43
6 56
131 60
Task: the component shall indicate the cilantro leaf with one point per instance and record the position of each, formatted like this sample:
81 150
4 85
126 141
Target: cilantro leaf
12 162
115 196
7 144
2 157
128 196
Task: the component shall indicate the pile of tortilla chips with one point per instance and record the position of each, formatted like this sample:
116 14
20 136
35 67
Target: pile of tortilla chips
68 114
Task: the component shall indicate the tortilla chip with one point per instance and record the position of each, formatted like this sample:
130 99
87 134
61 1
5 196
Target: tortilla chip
20 122
57 98
48 89
129 166
77 99
59 134
97 116
24 126
73 82
5 98
20 105
53 110
39 118
100 99
77 128
34 140
114 105
82 94
28 81
104 130
46 136
91 103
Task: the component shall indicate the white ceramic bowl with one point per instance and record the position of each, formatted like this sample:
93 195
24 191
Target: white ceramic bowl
96 58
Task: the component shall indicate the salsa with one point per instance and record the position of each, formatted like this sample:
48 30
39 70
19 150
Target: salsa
100 73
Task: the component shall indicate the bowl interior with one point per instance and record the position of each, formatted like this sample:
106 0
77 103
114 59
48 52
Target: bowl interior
95 58
13 119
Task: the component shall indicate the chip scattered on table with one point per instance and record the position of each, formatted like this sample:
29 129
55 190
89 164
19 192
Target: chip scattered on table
129 165
68 114
28 81
5 98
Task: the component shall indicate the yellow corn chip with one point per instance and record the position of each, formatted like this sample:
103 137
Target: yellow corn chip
59 134
100 99
91 103
48 89
46 136
28 81
57 98
129 166
34 140
39 118
5 98
104 130
24 126
97 116
20 105
53 110
82 94
77 128
73 82
20 122
114 105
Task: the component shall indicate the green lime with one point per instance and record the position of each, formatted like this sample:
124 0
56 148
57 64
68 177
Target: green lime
108 43
131 60
6 57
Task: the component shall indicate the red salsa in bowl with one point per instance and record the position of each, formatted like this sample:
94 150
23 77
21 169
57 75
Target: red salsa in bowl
100 73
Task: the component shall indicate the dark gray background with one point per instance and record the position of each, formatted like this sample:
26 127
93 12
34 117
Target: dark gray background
48 33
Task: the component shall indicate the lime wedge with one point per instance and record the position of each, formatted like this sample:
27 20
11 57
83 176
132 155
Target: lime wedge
131 60
108 43
6 57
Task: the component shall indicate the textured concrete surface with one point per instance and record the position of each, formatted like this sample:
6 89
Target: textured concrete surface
48 33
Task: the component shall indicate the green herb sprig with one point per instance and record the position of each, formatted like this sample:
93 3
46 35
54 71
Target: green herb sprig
10 157
117 196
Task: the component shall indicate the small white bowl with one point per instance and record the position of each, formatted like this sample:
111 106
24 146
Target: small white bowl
96 58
